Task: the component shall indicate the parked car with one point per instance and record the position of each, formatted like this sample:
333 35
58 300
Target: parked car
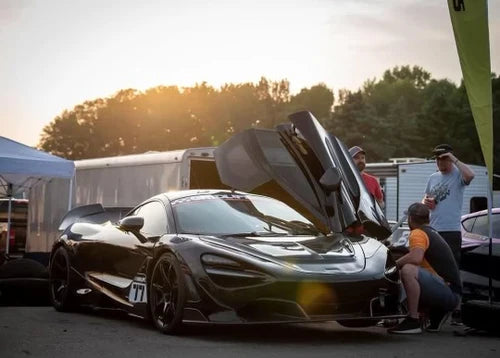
475 228
18 225
477 264
227 256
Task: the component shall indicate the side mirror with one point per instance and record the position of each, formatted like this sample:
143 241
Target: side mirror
330 180
132 223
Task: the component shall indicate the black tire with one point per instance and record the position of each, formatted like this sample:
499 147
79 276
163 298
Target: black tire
167 294
60 285
24 282
357 323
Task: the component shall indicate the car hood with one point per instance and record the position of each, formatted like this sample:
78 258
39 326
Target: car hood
302 253
288 162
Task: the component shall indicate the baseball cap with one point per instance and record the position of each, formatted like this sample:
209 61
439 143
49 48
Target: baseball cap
441 149
355 150
418 209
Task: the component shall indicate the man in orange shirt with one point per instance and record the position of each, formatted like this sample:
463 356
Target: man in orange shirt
429 274
371 182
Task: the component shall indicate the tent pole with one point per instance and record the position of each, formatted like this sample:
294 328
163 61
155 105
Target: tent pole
70 196
490 245
9 193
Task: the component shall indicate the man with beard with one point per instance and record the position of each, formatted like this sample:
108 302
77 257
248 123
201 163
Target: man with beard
371 182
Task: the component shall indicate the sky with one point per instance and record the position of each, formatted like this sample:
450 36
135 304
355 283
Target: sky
56 54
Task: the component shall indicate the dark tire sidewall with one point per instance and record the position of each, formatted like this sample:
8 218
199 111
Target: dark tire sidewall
65 303
174 326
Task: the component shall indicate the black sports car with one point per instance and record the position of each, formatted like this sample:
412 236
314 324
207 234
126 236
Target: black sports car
226 256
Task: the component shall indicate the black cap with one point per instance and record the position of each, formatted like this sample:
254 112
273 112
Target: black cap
441 149
418 209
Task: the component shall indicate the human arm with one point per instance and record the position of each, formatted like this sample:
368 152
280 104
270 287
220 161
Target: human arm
465 170
414 257
418 242
428 199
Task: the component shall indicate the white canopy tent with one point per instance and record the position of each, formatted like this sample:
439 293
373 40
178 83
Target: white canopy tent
22 167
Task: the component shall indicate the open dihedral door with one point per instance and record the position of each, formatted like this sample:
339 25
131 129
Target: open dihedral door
288 163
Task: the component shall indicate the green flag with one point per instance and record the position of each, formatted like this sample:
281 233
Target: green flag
470 26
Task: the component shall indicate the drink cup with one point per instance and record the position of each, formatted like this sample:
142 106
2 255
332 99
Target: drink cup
430 201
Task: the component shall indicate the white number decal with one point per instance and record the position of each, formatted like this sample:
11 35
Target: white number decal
137 293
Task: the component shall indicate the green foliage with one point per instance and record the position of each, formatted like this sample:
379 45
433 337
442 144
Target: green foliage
167 118
403 114
406 113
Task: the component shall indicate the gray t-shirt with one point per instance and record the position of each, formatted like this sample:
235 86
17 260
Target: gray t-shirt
448 191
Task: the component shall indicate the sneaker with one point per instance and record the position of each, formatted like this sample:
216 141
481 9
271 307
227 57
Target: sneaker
408 326
456 318
436 320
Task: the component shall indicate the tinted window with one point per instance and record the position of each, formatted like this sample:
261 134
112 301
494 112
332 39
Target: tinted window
155 219
237 214
468 224
481 225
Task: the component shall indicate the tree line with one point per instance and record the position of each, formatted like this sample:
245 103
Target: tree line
405 113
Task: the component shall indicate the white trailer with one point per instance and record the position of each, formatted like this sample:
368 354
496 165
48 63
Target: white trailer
404 182
122 181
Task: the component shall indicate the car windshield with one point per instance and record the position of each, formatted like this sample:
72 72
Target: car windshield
236 214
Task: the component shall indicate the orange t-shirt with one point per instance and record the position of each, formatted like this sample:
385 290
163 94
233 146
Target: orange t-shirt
419 239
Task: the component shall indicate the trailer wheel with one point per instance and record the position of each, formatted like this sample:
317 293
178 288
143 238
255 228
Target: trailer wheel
60 281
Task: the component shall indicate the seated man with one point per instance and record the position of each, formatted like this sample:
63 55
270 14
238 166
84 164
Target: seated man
429 273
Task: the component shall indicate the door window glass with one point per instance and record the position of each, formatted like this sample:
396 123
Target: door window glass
468 224
481 226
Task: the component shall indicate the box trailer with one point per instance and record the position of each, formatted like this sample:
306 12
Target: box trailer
118 182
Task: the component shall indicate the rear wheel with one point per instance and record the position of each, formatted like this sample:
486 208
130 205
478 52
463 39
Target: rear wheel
167 294
60 281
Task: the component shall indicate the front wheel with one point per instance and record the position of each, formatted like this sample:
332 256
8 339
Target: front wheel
167 294
60 281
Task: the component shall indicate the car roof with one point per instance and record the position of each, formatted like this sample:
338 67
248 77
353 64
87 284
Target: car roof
480 213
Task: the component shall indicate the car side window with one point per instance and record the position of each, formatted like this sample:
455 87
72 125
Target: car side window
155 219
468 224
481 225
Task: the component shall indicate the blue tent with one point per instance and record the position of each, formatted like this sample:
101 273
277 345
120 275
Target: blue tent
22 167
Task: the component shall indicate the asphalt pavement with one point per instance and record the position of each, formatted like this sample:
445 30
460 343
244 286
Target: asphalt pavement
43 332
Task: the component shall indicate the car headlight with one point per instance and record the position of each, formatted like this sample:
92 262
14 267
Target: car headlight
230 273
219 261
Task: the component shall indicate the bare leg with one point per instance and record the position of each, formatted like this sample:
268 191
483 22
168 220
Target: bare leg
409 276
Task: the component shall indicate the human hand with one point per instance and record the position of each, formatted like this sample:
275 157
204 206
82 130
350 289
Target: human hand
448 156
429 201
